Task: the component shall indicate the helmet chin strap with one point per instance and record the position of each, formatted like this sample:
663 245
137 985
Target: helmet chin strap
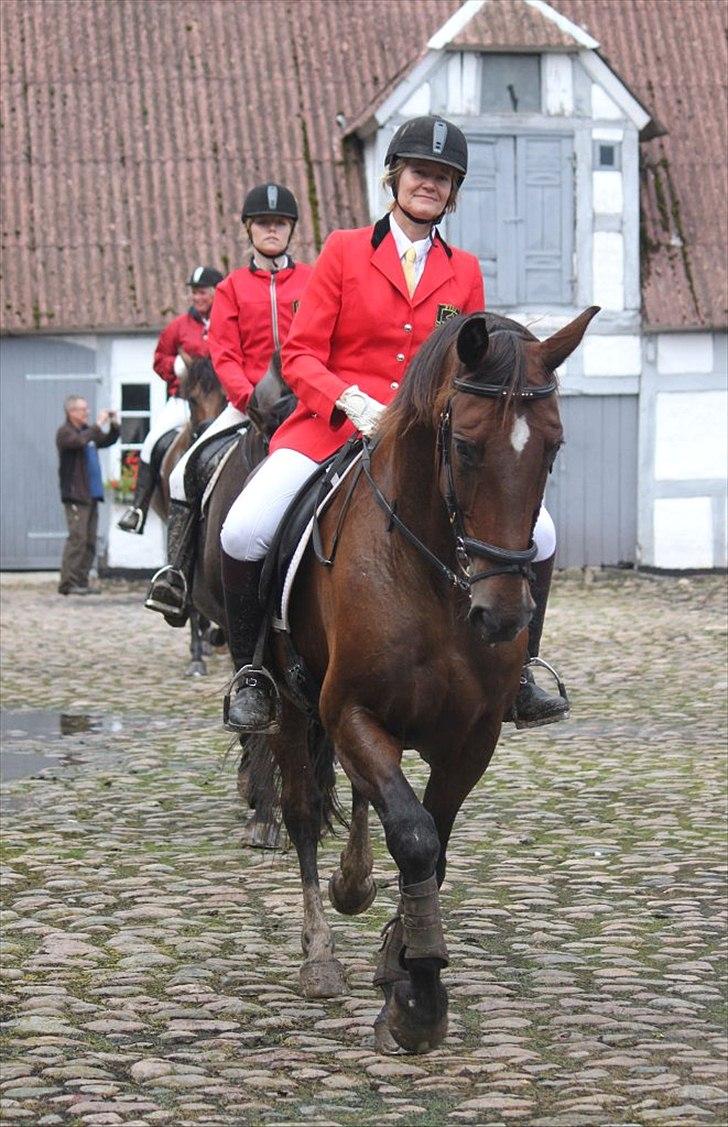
413 218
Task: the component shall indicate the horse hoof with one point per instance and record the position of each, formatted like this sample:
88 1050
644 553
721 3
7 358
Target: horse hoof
322 978
413 1031
353 902
261 835
384 1042
196 669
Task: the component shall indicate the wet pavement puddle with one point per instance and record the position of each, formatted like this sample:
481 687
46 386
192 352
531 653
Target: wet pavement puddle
22 729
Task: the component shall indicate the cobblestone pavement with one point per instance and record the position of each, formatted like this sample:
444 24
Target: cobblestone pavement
149 973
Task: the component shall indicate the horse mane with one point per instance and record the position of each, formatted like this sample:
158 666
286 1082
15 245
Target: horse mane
201 378
429 379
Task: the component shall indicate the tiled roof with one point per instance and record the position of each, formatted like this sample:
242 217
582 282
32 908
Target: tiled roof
132 130
503 25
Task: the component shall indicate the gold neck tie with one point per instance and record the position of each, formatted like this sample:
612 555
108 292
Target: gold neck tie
408 268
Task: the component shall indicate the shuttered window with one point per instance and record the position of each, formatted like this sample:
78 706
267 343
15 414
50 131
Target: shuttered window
516 213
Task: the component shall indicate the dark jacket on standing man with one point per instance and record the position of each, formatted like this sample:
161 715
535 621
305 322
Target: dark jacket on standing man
73 465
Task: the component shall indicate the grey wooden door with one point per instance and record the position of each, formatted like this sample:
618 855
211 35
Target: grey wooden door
36 374
592 492
516 214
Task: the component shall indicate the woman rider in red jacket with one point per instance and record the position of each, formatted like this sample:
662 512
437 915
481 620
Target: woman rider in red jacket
375 295
250 317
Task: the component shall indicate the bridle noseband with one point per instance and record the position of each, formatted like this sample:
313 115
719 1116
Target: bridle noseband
508 561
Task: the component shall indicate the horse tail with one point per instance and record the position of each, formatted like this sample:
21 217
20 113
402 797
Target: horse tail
265 778
321 753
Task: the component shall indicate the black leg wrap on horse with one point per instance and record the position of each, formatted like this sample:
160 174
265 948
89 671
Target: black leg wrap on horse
169 590
389 967
135 518
422 925
252 703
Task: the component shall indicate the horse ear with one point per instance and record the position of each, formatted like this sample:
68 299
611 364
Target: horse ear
473 341
555 349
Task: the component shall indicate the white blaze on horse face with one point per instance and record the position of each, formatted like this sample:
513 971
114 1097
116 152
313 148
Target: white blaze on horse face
520 434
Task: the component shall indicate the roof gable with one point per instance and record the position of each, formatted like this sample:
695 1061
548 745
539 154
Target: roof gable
510 25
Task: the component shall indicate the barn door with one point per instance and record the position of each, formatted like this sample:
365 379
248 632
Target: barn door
37 375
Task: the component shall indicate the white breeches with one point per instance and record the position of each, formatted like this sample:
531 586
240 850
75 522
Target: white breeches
254 517
173 415
227 419
544 536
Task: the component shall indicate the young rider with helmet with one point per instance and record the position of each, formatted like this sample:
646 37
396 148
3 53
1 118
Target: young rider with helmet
250 319
180 341
375 295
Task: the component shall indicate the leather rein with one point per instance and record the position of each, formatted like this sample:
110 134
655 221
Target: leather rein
508 561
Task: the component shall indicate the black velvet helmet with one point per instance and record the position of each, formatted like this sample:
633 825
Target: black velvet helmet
205 277
430 138
270 199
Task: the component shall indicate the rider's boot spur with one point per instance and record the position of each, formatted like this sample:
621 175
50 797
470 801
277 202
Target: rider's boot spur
134 519
251 704
533 706
169 590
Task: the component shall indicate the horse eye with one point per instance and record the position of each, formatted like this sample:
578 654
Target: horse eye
467 452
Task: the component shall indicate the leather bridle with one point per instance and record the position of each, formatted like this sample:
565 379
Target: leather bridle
507 561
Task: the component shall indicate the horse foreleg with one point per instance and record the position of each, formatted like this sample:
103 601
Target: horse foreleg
451 781
197 667
321 975
415 1009
351 888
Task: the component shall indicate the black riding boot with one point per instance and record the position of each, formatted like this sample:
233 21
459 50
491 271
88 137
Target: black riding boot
135 518
251 705
533 706
170 587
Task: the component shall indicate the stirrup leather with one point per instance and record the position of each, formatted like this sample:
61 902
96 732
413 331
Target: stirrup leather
239 681
170 573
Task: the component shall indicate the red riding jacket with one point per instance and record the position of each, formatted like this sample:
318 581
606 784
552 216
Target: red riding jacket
251 316
357 324
189 332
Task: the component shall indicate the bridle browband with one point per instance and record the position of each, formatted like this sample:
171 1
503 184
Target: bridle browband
508 561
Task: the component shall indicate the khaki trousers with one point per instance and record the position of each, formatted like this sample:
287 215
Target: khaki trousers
80 549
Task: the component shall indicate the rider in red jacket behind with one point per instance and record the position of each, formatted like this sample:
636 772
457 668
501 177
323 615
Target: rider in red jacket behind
250 319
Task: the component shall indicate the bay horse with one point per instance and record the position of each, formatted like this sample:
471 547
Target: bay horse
416 636
202 390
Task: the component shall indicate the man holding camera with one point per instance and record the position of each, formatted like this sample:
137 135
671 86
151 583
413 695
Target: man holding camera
82 487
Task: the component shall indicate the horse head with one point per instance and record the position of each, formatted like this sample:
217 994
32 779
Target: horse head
484 388
201 388
504 434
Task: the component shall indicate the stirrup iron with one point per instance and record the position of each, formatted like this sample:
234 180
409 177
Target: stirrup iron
156 604
238 682
559 683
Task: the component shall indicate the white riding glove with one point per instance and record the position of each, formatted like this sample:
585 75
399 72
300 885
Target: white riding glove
363 411
179 367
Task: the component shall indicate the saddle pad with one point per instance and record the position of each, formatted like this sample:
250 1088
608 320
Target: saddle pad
205 459
287 551
216 475
160 448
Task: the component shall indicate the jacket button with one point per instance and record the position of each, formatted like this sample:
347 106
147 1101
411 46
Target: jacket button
399 356
394 385
407 328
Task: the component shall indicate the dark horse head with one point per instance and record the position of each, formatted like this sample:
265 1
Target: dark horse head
484 388
201 388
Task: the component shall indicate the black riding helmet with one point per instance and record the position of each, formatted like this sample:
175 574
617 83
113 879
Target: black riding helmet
270 199
205 276
430 138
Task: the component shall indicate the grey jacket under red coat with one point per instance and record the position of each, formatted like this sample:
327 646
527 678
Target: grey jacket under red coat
71 442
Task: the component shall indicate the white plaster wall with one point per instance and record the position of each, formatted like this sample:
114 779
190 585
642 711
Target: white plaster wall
682 353
618 355
691 435
608 269
607 192
417 103
683 532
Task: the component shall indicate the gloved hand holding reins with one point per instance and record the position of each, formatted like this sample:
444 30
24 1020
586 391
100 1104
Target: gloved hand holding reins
363 411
